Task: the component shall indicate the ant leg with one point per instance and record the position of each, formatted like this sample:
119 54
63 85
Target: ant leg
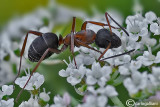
104 51
118 55
85 45
95 23
108 22
106 14
41 59
23 48
64 47
72 39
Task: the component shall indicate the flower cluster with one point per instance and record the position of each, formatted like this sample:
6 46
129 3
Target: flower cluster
96 81
6 91
139 71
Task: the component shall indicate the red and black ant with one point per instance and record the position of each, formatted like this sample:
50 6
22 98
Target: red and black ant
47 43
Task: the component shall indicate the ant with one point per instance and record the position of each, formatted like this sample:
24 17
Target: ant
47 44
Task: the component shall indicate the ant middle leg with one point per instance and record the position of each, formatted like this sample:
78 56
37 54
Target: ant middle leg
86 45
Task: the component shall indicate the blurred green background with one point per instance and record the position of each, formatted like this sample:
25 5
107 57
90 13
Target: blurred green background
53 82
8 8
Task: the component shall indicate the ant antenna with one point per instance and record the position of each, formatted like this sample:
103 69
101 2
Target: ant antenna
117 23
118 55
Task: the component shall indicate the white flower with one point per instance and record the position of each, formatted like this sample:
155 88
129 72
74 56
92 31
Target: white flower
35 82
61 102
155 76
108 91
128 68
98 75
123 70
148 59
122 59
94 101
148 41
65 73
155 28
30 103
74 76
138 81
135 65
150 16
7 90
84 59
44 96
8 103
128 43
136 26
6 68
70 64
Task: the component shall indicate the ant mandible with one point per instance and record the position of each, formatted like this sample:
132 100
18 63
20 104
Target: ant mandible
47 43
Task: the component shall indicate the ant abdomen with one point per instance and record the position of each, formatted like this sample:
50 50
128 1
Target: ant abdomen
104 37
40 45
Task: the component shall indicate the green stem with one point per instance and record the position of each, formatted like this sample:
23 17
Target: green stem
119 80
116 101
114 75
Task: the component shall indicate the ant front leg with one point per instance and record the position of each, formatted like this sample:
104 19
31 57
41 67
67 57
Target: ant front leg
106 14
23 48
72 39
41 59
95 23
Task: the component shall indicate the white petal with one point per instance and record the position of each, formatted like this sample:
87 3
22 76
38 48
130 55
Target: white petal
88 60
7 90
57 99
127 58
144 32
73 81
135 65
157 59
66 99
123 70
150 16
63 73
110 91
153 80
44 96
147 62
102 81
128 83
153 27
91 80
106 71
102 101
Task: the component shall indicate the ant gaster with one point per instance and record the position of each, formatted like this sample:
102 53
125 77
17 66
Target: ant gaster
47 43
